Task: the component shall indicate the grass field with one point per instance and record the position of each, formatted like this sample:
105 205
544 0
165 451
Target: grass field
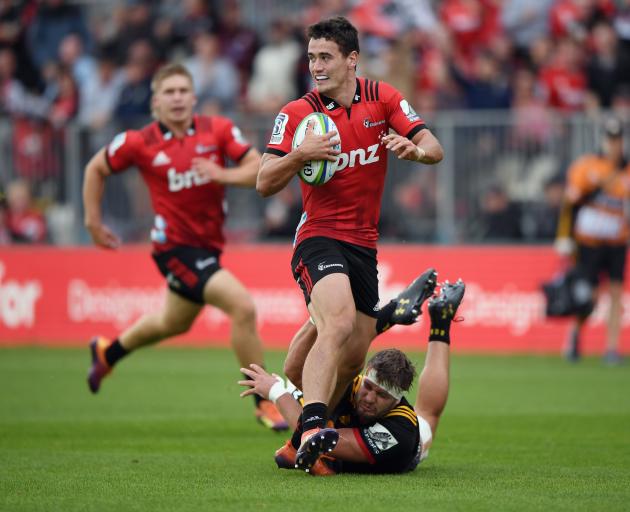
168 432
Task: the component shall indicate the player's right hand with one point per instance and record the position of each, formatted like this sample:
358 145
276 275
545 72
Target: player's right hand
103 236
318 147
259 381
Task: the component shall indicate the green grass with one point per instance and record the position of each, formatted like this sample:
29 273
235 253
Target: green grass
168 432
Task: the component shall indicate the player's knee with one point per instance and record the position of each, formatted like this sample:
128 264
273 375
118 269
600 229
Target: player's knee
244 313
339 329
175 326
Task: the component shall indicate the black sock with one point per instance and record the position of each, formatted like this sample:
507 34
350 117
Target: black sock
440 330
115 352
314 416
383 320
257 398
296 438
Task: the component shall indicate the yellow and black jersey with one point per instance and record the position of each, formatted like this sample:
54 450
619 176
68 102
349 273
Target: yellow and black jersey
390 443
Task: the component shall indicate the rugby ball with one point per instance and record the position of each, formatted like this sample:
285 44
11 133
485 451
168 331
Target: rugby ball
316 172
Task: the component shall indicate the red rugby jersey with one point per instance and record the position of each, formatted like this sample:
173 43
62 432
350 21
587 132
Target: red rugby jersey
189 211
348 207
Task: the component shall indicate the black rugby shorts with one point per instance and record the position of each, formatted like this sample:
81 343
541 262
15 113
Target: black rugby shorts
317 257
609 260
187 270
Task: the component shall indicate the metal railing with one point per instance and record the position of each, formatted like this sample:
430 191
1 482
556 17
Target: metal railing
453 202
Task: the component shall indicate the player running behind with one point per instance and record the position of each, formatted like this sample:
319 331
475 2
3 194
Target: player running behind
181 158
334 261
375 428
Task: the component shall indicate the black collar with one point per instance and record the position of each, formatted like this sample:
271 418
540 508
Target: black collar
168 134
330 104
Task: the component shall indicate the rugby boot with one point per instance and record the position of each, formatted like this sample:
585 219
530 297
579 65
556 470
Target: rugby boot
444 306
410 300
267 413
285 456
322 466
315 442
100 368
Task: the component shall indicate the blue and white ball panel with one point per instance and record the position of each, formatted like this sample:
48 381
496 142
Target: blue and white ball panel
316 172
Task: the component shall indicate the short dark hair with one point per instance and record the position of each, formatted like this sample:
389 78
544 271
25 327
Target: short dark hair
393 368
338 30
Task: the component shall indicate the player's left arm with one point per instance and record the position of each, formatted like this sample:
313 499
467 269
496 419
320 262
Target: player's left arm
424 147
243 175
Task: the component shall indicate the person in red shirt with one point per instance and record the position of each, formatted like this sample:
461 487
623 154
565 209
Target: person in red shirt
26 223
334 261
182 159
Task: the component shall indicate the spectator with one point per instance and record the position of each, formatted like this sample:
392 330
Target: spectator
487 88
26 223
134 102
14 98
5 232
621 23
604 71
99 94
178 19
15 19
531 120
501 217
32 137
72 56
238 42
273 82
541 221
65 103
215 78
54 20
526 22
135 23
563 81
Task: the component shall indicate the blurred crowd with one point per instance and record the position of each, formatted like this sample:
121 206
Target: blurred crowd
90 64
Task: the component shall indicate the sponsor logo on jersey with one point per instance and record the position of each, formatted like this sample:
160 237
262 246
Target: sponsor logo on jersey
183 180
379 438
200 148
161 159
363 156
279 126
370 124
158 232
409 111
323 265
116 143
201 264
331 105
